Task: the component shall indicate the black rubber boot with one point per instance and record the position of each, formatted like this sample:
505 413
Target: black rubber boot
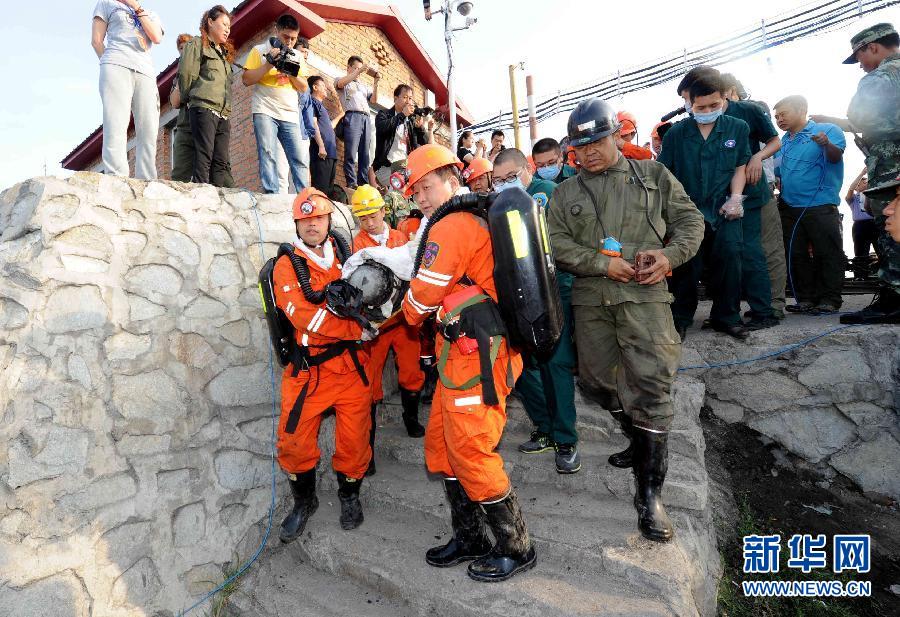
351 510
625 458
513 552
650 466
410 402
371 470
470 540
303 488
884 309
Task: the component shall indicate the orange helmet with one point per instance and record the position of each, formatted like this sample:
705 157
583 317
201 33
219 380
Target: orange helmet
311 202
628 121
424 160
478 167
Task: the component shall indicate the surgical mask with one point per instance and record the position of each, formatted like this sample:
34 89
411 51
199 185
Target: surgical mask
687 107
708 118
548 173
514 183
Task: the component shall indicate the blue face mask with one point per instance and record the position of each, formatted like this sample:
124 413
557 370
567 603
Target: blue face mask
548 173
687 107
514 183
708 118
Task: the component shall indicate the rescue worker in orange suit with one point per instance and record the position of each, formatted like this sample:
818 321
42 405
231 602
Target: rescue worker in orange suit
479 176
368 207
326 372
469 412
628 136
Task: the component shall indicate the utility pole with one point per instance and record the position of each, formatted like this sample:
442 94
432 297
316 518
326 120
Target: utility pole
463 7
532 116
515 105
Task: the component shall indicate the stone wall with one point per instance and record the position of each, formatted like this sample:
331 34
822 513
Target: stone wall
135 391
834 403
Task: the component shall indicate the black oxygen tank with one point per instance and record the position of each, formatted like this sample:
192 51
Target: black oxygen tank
524 272
281 330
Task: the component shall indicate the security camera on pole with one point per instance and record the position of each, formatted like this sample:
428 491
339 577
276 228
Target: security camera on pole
464 8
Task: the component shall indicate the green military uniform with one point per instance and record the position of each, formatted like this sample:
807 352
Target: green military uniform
547 388
628 350
759 288
705 168
875 111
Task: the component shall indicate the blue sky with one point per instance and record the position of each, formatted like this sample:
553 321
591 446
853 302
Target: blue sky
53 103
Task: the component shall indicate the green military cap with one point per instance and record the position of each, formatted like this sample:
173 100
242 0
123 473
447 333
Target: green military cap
870 34
886 191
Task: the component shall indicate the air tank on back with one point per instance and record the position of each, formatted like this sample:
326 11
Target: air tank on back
524 272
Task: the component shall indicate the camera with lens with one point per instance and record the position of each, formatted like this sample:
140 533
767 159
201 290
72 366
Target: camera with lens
286 61
424 112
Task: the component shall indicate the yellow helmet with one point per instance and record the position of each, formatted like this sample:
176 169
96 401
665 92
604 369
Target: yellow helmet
366 200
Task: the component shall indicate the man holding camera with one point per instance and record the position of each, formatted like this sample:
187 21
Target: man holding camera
355 98
276 72
398 131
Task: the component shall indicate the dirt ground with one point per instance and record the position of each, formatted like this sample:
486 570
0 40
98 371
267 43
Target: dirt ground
757 487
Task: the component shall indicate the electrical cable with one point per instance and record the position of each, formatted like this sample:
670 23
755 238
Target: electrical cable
265 539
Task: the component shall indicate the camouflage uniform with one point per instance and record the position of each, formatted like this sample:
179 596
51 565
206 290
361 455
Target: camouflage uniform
396 207
875 111
628 349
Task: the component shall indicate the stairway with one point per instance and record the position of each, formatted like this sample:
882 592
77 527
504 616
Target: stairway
591 558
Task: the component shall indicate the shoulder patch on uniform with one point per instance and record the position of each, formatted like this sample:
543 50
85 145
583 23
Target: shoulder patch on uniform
730 143
430 253
575 210
541 199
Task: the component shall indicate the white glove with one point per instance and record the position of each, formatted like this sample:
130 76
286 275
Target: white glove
368 334
353 262
733 208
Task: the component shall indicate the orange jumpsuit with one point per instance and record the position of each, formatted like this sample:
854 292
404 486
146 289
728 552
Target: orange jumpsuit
404 339
463 433
409 226
630 151
335 383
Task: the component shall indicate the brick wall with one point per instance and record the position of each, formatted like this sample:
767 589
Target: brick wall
331 48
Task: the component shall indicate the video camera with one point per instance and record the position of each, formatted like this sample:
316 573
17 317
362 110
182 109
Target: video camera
423 111
287 61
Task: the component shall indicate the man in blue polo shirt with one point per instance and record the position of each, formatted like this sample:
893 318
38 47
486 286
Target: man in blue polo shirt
323 145
810 165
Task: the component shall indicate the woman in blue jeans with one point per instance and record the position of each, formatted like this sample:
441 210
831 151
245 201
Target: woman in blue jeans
122 34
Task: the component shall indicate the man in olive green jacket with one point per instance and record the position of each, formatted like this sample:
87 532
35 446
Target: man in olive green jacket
628 349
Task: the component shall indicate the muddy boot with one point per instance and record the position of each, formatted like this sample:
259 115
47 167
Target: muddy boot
303 488
371 470
410 402
351 510
650 465
470 540
623 459
513 552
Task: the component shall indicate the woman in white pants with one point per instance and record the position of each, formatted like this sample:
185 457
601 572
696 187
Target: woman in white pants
122 34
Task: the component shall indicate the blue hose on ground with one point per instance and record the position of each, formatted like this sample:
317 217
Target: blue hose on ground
262 545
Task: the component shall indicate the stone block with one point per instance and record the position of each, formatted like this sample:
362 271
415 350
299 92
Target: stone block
204 307
180 247
225 271
150 402
779 391
141 308
73 308
189 525
873 465
812 433
241 470
242 386
59 451
836 367
61 595
12 314
127 346
138 586
154 279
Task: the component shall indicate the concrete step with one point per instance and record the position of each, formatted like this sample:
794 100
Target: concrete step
685 487
282 584
386 556
595 535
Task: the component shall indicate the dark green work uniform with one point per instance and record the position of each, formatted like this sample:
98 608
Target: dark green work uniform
628 350
705 168
547 388
757 286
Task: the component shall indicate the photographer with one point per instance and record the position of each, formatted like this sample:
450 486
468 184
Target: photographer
277 72
356 123
398 131
122 33
204 83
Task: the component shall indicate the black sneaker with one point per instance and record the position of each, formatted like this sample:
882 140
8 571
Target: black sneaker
884 309
800 307
539 442
567 458
761 323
